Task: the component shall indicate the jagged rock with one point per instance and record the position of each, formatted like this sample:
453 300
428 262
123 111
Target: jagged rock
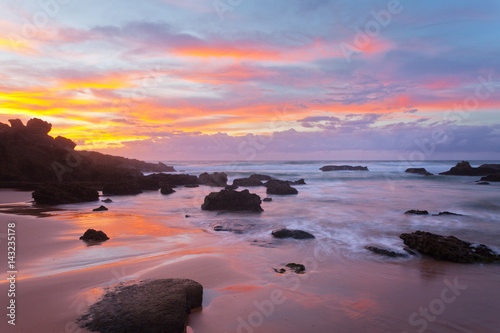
417 212
464 169
38 126
91 235
64 143
343 167
290 233
386 252
99 209
167 190
213 179
419 171
491 178
147 307
108 200
121 189
448 248
16 124
297 182
63 193
280 187
232 200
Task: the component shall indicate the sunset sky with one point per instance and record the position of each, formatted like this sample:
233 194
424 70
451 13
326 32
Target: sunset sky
255 79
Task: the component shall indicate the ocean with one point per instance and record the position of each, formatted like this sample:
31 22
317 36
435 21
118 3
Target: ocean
345 288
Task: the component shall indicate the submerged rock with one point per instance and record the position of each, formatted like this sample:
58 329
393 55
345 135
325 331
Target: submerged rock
446 213
385 252
149 307
108 200
94 235
290 233
417 212
343 167
267 199
280 187
63 193
213 179
482 183
233 226
232 200
99 209
166 189
464 169
419 171
448 248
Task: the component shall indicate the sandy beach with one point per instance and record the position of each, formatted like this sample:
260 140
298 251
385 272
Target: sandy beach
59 276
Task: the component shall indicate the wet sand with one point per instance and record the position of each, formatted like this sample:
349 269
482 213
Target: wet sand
59 277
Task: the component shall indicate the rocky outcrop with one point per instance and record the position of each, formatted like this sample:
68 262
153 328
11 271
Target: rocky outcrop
448 248
121 189
446 213
62 193
343 167
280 187
92 235
100 209
419 171
491 178
232 200
464 169
147 307
108 200
417 212
385 252
166 190
291 233
157 180
29 154
213 179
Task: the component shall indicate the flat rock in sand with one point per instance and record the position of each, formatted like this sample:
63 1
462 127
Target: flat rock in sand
150 307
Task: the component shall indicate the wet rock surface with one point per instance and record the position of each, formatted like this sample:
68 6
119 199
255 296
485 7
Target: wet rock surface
233 201
92 235
291 233
147 307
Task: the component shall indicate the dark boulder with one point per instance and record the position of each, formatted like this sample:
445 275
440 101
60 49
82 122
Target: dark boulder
166 189
213 179
63 193
464 169
343 167
417 212
385 252
147 307
232 200
108 200
92 235
245 182
267 199
297 268
419 171
100 209
491 178
121 189
448 248
290 233
280 187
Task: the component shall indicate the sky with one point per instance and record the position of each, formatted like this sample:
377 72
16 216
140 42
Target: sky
257 80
